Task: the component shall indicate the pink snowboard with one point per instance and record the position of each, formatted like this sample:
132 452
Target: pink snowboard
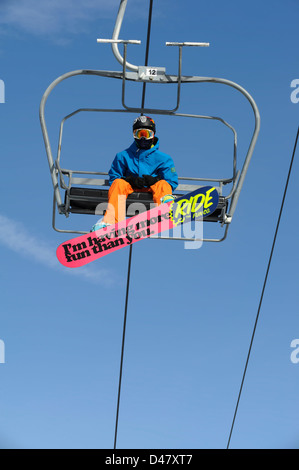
89 247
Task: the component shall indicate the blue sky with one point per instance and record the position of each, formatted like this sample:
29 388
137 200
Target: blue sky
191 312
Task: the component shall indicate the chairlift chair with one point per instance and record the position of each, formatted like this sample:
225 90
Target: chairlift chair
80 192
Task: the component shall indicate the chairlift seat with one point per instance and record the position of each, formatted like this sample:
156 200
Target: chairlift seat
80 200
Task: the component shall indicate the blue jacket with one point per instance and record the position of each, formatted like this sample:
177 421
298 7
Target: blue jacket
135 161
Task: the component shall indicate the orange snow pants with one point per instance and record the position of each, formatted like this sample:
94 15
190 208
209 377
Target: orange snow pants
120 189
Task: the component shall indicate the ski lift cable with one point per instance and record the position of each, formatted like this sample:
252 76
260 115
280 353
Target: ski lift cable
130 252
123 345
263 289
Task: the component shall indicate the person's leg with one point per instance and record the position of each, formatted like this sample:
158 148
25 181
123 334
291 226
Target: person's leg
159 190
117 195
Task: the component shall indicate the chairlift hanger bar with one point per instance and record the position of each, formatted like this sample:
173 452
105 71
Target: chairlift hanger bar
115 35
115 41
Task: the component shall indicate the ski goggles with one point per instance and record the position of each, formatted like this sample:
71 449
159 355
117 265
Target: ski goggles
143 133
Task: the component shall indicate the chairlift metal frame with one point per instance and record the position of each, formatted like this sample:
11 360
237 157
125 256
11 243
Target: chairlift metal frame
99 186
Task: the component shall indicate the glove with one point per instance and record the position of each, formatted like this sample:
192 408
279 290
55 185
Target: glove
150 180
134 181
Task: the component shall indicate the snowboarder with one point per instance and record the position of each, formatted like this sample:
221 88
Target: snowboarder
142 167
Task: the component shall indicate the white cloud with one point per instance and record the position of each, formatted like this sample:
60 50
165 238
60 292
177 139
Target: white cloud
54 16
16 237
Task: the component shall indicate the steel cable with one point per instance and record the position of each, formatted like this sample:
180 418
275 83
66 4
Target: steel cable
130 252
263 289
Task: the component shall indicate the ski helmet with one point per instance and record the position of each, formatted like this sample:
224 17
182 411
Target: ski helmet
144 122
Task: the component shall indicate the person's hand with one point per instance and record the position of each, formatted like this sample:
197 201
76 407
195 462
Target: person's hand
135 181
150 180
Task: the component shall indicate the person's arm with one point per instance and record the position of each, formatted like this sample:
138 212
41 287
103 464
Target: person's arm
118 168
168 172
